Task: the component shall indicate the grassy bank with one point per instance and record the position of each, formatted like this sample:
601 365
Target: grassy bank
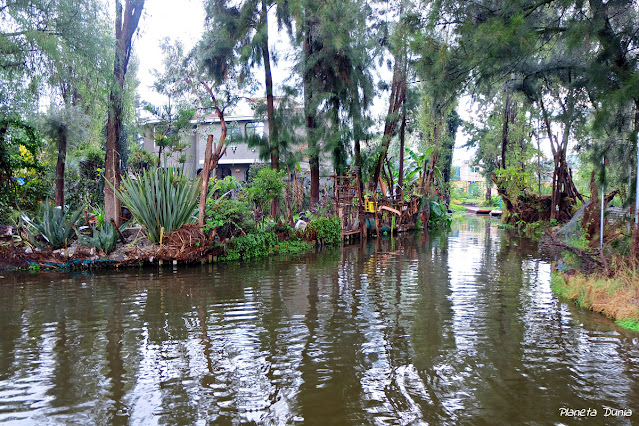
616 297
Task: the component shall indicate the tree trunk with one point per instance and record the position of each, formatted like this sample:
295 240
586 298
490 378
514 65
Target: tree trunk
489 191
125 26
112 206
357 135
211 158
287 197
59 168
204 184
429 169
159 156
358 162
402 137
555 155
314 166
270 107
310 116
635 231
389 180
504 131
397 99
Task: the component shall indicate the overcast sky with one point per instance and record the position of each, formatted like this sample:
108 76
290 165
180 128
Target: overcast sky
179 20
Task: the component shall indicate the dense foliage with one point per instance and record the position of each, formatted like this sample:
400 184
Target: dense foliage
229 217
21 169
328 229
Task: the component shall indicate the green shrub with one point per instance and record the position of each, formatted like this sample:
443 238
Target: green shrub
328 229
255 244
23 182
283 229
8 215
230 217
494 201
219 187
160 198
514 181
267 186
140 159
260 244
54 226
83 183
292 246
254 170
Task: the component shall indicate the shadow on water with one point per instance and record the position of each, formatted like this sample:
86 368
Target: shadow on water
450 327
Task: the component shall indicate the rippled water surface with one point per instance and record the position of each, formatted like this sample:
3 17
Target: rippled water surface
454 327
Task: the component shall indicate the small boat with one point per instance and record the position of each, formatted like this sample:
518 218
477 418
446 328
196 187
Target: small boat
482 211
496 213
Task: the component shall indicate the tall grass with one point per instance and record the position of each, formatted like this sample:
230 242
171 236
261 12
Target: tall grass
617 297
161 200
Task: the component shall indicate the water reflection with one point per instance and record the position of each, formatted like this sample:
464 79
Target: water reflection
445 328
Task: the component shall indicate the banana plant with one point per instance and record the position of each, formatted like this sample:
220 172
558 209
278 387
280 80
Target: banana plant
414 166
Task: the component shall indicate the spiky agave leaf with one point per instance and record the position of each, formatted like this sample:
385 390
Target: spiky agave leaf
159 199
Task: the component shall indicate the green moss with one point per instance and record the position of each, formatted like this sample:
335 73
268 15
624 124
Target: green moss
628 323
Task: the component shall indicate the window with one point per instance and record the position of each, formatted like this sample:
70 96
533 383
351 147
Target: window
234 133
254 129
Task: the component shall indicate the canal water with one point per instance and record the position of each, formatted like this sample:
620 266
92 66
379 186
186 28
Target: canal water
455 327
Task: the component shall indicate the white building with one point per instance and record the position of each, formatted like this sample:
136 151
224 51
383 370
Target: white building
470 173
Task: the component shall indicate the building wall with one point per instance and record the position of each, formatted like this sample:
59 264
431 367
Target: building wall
470 173
238 155
238 158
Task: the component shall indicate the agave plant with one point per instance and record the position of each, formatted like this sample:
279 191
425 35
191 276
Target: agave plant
103 237
161 200
55 227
